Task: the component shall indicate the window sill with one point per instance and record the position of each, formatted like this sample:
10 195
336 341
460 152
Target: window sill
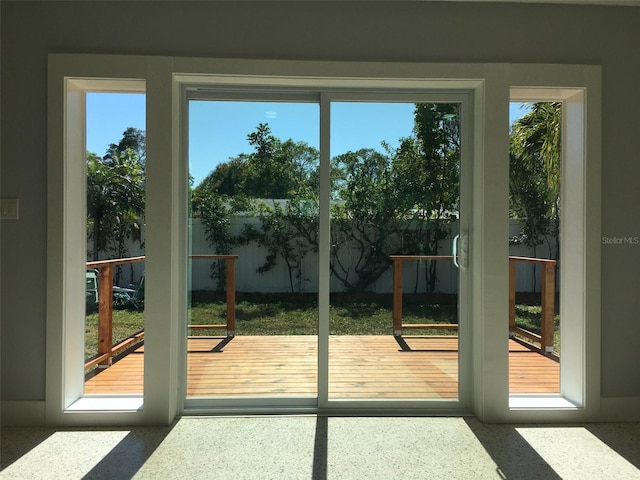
540 402
107 403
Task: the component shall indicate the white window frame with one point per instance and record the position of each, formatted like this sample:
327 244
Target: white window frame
166 216
574 247
66 273
324 92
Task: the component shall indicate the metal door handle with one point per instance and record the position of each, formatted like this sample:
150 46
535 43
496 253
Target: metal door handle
454 250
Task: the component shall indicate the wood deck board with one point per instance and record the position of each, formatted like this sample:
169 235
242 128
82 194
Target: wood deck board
359 367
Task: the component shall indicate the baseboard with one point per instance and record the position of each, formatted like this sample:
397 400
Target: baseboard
620 409
32 413
22 413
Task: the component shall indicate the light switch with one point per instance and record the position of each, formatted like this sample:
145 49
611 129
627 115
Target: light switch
9 208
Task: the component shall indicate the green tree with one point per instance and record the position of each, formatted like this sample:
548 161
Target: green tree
536 138
396 201
364 219
275 170
530 202
115 201
216 212
382 203
534 185
132 139
283 170
286 233
227 179
427 182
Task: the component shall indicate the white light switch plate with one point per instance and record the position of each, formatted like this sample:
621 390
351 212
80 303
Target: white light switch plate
9 208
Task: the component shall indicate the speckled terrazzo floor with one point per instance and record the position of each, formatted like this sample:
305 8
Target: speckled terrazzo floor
310 447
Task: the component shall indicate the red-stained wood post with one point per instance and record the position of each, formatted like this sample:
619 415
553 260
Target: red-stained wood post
231 295
548 306
512 294
105 314
397 296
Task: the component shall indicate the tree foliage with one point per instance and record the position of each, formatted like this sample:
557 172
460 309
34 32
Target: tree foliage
275 170
115 201
383 202
397 201
132 139
363 219
116 197
286 233
216 211
429 181
534 184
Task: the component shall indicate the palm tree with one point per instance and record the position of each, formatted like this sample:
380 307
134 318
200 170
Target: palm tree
535 171
115 201
536 138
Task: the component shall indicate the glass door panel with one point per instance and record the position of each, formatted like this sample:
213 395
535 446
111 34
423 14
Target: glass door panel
534 248
395 171
115 273
252 318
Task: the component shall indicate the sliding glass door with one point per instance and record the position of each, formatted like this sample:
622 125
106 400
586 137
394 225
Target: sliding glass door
395 227
327 235
252 319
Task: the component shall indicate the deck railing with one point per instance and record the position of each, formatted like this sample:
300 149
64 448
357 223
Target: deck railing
106 348
230 261
547 302
548 299
105 312
398 326
105 302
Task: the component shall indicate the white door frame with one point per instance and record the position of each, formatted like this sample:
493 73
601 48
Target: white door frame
166 214
283 89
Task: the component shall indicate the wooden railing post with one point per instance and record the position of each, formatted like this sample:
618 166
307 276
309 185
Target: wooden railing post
548 306
512 295
547 302
231 296
105 314
397 296
230 325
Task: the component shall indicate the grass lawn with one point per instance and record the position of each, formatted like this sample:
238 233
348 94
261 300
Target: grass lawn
125 323
349 314
285 314
529 317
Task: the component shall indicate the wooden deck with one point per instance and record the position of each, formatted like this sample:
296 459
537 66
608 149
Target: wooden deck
359 367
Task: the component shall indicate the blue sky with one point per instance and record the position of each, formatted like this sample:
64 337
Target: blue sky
218 130
109 115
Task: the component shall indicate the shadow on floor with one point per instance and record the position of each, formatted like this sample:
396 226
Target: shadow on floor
515 457
357 443
121 462
15 442
320 447
124 461
623 438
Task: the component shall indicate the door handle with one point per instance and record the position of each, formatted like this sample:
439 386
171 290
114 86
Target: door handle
454 250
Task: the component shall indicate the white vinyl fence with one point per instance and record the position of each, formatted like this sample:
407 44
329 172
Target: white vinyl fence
276 280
